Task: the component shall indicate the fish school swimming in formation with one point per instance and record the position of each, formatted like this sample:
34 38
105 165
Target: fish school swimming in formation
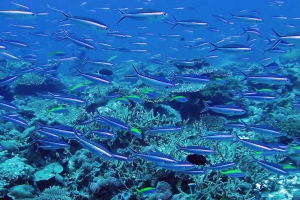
151 100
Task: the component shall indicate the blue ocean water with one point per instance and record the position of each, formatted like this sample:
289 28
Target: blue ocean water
149 99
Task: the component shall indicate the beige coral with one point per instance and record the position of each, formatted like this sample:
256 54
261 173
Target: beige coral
31 79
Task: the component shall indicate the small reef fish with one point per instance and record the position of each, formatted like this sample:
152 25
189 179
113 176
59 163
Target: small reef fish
146 15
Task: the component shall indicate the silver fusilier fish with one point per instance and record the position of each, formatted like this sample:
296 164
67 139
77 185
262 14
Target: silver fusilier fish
146 15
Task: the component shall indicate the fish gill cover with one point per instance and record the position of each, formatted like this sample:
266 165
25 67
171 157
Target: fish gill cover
149 99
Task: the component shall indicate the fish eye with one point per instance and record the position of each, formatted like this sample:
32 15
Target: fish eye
165 162
165 14
167 87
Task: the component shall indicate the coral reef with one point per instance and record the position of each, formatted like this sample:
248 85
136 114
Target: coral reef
138 132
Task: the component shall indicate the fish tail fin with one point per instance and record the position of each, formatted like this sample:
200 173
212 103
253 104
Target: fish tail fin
85 60
173 73
67 16
121 19
175 76
99 113
236 135
234 140
34 140
215 47
232 16
134 152
53 8
246 76
247 40
124 15
243 122
121 11
76 133
53 96
60 38
175 18
276 43
178 145
90 131
66 33
175 23
243 32
38 147
57 36
269 40
278 34
295 139
38 125
138 73
206 107
78 70
246 125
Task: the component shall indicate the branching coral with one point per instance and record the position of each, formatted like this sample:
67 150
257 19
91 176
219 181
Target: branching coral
54 192
31 79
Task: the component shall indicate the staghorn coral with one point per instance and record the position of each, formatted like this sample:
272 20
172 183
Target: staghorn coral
138 116
209 122
211 72
189 87
54 192
40 109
